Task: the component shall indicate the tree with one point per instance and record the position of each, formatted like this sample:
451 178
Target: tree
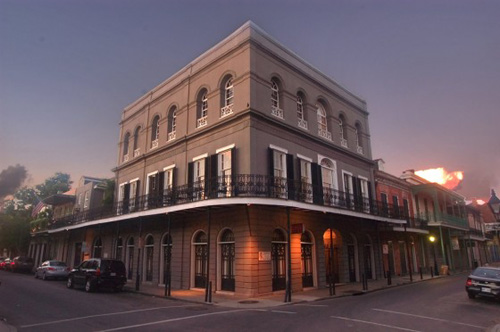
58 183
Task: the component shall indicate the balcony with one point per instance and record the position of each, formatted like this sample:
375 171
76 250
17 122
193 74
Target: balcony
243 185
171 136
154 144
325 134
302 124
125 158
226 110
137 152
277 112
359 149
343 142
201 122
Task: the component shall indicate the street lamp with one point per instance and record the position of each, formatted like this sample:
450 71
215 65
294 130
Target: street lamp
433 241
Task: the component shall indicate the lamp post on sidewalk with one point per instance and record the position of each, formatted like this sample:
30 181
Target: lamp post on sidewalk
433 241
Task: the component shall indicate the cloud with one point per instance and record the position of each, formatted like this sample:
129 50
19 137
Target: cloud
11 179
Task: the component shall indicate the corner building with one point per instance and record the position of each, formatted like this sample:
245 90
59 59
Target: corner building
249 170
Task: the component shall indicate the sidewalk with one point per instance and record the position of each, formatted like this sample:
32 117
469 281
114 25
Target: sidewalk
227 299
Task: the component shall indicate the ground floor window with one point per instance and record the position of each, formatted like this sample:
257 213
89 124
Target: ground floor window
149 251
306 251
130 258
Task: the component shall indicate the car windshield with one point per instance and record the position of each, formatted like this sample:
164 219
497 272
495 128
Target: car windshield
487 273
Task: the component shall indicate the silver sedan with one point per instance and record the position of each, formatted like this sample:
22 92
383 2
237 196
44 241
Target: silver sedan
52 270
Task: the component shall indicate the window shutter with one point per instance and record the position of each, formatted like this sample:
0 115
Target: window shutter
370 196
270 182
317 183
356 192
137 192
234 175
299 188
190 179
290 176
212 181
161 180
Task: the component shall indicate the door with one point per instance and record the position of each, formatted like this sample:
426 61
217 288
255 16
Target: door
227 260
278 259
351 258
78 254
307 260
402 255
368 262
200 270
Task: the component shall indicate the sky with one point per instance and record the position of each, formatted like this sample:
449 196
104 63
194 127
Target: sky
429 71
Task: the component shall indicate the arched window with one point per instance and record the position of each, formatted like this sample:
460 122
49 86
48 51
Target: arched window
136 141
97 248
275 99
200 259
227 94
322 124
275 94
227 254
155 131
202 109
329 182
359 142
301 117
343 131
172 123
126 141
149 250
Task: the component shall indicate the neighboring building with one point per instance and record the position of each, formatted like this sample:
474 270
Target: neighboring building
71 206
249 170
477 248
490 213
404 245
444 211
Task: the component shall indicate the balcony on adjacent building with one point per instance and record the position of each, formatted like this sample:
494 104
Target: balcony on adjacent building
325 134
277 112
226 110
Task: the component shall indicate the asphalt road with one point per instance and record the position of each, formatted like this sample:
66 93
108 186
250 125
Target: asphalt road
28 304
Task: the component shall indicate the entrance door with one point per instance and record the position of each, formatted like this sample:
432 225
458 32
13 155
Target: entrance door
227 261
390 258
78 254
352 262
402 255
307 260
368 261
278 260
200 260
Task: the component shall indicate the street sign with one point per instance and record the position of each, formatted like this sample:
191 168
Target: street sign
385 249
264 256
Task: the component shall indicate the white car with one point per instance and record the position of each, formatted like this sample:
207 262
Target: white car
52 270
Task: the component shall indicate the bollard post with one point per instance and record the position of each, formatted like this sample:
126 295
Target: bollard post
432 273
389 281
421 273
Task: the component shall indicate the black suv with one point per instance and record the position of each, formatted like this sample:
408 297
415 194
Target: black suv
98 273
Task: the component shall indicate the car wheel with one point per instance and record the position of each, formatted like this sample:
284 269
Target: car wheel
69 283
471 295
89 287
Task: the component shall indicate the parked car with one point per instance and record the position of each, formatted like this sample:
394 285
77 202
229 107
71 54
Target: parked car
22 264
52 269
5 265
98 273
2 262
484 281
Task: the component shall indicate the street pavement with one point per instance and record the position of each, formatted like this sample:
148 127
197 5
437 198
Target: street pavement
433 304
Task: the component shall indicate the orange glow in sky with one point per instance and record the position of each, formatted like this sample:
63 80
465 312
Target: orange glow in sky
449 180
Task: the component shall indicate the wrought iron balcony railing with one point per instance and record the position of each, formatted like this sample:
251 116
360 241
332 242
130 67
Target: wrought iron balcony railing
255 186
